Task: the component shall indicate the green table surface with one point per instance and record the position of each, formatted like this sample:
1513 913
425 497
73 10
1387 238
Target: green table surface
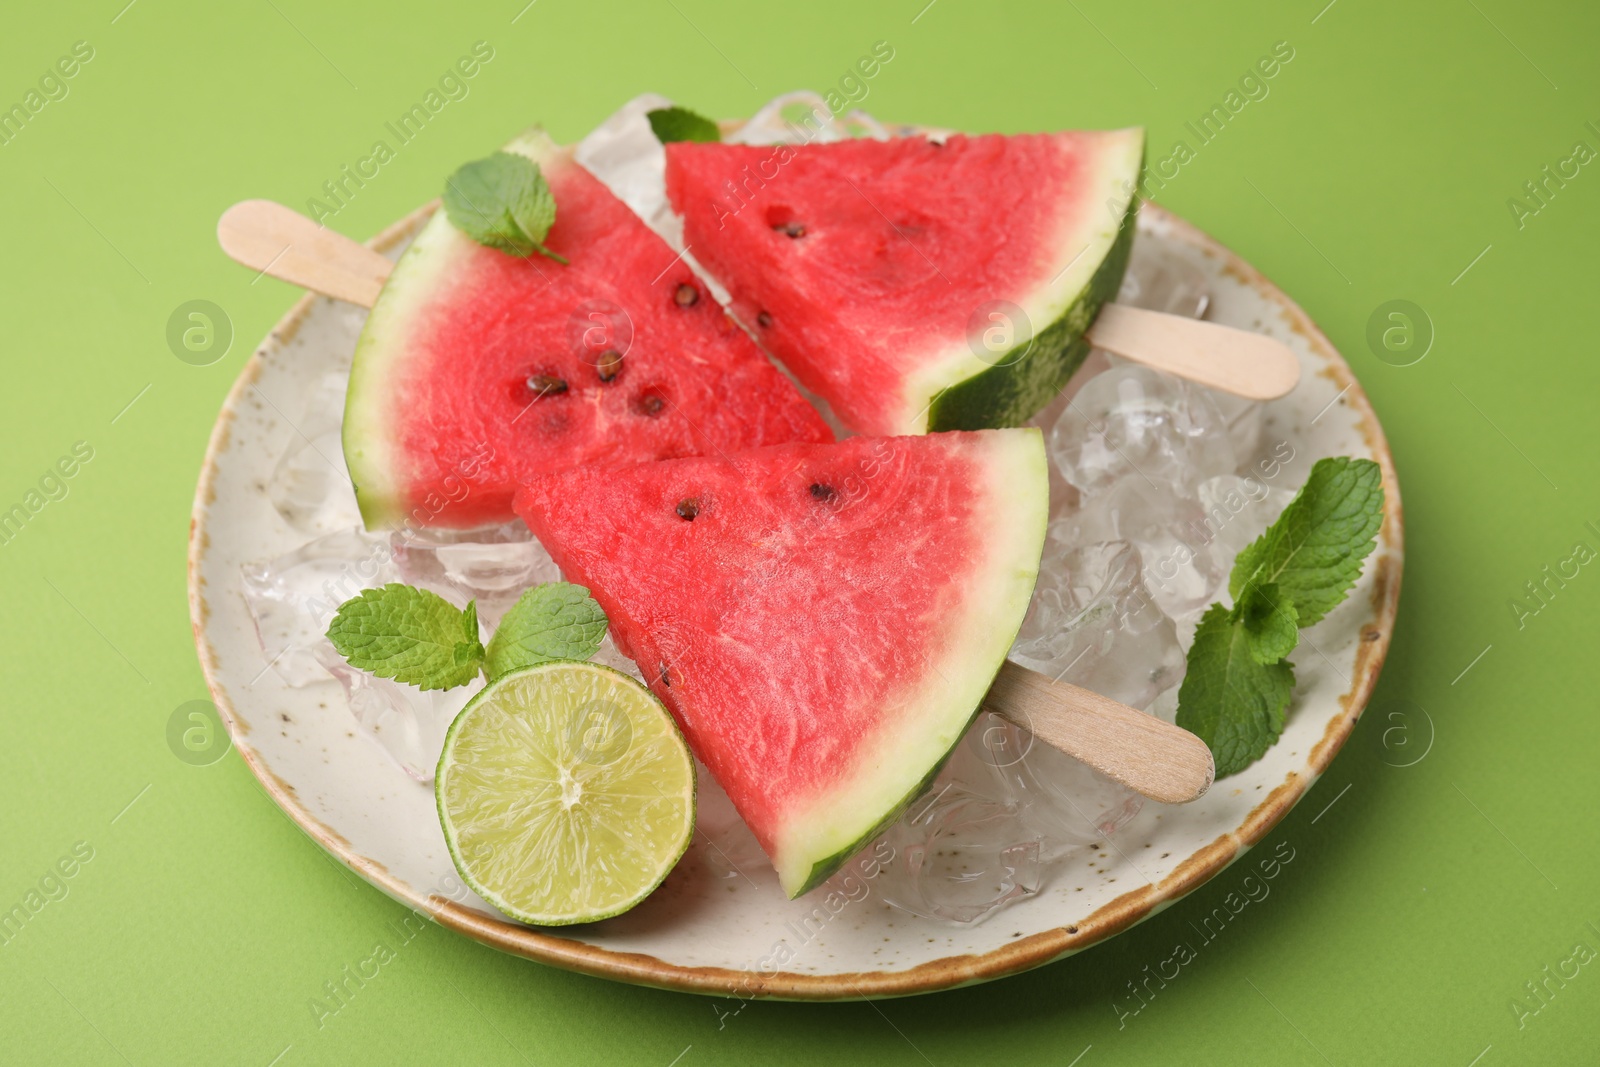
1442 912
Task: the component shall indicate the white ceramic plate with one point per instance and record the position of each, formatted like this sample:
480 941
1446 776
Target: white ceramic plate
703 931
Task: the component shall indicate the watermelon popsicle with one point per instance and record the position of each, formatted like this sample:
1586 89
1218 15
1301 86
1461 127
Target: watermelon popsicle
919 283
916 284
823 621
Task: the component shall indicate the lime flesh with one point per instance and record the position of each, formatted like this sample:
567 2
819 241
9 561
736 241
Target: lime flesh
566 793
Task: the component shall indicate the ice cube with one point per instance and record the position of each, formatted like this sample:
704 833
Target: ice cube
293 597
1134 420
1000 814
1067 804
803 117
310 485
1244 420
1162 282
408 722
1165 706
1278 460
1181 574
959 856
1243 417
624 153
1236 511
611 656
1180 571
1093 623
492 565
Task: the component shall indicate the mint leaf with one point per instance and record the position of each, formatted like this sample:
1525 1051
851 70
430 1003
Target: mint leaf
410 635
470 650
1314 552
1229 699
553 621
1238 684
681 124
502 201
1271 629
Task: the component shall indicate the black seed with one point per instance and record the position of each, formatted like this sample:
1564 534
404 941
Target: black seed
819 491
666 676
546 385
651 404
688 508
763 320
609 364
791 229
686 295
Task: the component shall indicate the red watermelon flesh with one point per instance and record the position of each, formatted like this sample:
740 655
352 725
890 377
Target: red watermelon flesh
822 620
916 285
478 369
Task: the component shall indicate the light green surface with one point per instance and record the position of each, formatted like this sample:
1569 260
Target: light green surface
1416 906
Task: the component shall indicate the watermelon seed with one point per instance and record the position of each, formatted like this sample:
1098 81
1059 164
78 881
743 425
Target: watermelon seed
546 385
688 508
666 676
686 295
791 229
763 320
651 404
609 364
819 491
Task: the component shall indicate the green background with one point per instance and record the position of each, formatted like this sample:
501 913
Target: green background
1378 168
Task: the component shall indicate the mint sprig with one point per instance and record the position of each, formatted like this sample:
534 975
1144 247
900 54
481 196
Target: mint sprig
418 637
1236 691
503 201
553 621
410 635
680 124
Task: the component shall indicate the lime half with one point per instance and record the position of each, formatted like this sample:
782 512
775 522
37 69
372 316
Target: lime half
566 793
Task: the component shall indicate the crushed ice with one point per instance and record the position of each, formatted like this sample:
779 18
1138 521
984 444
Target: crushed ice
1156 483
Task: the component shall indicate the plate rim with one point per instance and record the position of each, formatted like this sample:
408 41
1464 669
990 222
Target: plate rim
948 972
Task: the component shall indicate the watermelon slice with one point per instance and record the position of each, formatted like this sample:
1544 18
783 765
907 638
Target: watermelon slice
478 369
822 620
916 285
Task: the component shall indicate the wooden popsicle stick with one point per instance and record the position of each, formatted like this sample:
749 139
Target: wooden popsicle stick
1148 755
276 240
1251 365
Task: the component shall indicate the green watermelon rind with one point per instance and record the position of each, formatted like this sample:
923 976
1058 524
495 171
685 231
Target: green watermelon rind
1018 386
452 846
986 642
423 270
